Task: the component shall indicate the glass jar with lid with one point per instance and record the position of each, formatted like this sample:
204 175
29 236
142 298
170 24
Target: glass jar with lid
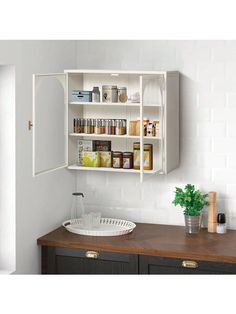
122 94
128 160
117 160
109 93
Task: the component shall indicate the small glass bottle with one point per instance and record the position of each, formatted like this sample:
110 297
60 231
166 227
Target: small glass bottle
93 123
88 126
82 125
113 127
221 223
124 126
103 126
77 207
118 127
108 129
75 125
98 127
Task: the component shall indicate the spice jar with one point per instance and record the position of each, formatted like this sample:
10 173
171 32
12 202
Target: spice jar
127 160
117 160
109 93
93 122
108 129
145 125
75 125
124 123
103 126
156 128
78 126
87 126
113 127
118 127
82 125
98 126
122 94
150 128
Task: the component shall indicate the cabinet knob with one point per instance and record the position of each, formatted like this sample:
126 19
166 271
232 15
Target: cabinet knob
92 254
190 264
30 125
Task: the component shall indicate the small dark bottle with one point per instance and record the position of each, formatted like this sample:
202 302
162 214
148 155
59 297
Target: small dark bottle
221 223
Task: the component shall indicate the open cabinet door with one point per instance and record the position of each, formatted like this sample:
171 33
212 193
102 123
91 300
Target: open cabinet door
152 105
50 123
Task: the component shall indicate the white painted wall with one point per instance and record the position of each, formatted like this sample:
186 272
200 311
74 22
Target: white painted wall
41 203
207 139
207 126
7 169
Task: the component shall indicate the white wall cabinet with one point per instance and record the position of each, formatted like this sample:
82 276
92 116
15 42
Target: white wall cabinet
55 143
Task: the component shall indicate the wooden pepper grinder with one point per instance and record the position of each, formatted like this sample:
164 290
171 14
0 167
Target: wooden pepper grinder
212 212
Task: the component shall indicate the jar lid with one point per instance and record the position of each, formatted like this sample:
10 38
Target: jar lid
221 218
109 86
127 153
116 153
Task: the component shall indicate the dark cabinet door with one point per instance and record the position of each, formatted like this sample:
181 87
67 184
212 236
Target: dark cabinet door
163 265
77 261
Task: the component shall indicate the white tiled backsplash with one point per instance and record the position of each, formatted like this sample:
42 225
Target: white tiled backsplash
207 128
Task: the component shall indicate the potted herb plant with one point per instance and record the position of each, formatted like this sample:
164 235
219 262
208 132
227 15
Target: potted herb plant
192 201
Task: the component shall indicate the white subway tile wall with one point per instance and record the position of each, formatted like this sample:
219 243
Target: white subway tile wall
207 128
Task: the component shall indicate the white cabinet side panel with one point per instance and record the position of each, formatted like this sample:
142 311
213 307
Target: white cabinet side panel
172 122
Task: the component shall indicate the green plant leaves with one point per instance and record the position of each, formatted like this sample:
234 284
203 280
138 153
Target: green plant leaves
191 200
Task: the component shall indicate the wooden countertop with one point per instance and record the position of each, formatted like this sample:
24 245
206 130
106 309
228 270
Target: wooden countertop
154 240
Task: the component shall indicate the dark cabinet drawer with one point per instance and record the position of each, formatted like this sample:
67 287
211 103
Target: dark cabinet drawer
78 261
57 260
164 265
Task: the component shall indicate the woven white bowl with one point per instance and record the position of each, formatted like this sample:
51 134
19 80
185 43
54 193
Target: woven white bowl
108 227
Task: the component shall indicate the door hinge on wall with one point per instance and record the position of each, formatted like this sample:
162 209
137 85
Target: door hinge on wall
30 125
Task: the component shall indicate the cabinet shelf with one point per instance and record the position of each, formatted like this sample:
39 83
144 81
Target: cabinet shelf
113 104
75 167
114 136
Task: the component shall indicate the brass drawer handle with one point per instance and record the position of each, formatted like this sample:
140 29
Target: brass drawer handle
190 264
92 254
